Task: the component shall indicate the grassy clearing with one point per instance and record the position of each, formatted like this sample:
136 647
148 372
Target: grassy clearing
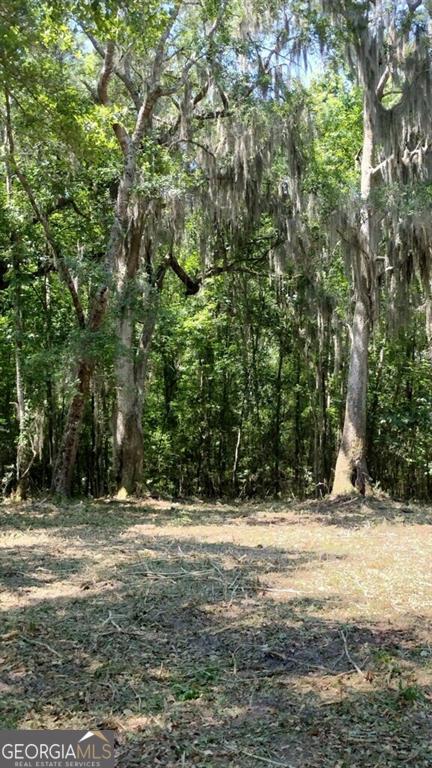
216 635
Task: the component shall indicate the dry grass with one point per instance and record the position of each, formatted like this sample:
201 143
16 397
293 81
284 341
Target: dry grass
216 635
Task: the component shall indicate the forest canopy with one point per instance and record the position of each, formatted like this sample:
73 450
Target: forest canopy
215 261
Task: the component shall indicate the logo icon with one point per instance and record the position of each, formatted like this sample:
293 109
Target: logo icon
44 749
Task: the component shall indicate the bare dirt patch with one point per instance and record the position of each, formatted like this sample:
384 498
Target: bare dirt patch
222 635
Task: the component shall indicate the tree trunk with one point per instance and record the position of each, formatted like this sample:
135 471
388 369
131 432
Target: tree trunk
320 419
131 374
128 441
23 458
66 456
278 421
351 472
67 453
351 469
298 470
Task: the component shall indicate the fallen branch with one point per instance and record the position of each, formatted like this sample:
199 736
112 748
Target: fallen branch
43 645
349 657
285 589
266 760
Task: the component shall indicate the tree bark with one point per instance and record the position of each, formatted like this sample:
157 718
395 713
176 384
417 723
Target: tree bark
278 421
351 468
66 455
131 370
351 473
128 441
23 457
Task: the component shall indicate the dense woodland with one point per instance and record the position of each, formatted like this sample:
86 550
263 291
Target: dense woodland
215 247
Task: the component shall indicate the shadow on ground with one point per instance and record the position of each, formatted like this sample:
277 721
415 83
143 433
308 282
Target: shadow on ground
175 644
110 515
353 513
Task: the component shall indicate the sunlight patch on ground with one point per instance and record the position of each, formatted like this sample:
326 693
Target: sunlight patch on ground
219 631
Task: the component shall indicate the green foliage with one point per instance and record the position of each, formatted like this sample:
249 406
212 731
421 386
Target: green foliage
245 387
337 110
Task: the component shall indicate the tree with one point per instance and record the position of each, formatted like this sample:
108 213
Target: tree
187 236
202 86
380 38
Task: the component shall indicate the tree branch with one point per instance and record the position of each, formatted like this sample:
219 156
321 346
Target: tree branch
106 72
122 136
192 286
413 5
120 73
41 217
379 91
160 47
